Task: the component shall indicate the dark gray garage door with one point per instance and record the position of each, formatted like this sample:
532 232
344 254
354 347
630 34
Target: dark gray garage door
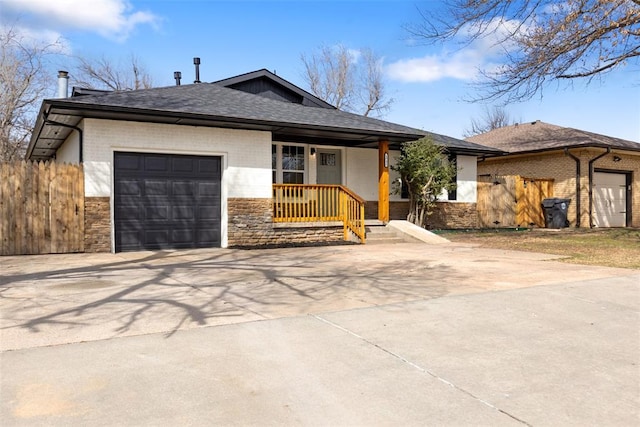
164 201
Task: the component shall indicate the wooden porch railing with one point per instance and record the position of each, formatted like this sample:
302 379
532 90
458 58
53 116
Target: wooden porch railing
315 203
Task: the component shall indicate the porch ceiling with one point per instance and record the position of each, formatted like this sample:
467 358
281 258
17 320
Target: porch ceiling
50 134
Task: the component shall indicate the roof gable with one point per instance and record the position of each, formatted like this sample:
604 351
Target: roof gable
269 85
83 91
540 136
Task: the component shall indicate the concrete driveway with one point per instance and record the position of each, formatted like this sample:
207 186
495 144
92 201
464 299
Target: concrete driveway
348 335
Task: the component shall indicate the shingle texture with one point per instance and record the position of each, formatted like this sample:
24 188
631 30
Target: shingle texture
212 101
540 136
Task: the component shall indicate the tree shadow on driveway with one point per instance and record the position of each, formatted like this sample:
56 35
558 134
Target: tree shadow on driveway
48 300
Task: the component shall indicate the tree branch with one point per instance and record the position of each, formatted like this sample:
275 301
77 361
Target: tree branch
544 40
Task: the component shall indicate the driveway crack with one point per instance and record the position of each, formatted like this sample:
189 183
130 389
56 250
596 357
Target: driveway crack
420 369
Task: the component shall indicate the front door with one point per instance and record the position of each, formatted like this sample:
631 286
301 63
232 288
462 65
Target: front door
329 167
329 172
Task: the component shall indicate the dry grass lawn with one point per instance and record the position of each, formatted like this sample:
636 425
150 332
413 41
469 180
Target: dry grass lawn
618 247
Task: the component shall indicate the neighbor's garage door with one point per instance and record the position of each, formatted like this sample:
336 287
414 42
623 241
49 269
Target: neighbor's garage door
166 201
609 200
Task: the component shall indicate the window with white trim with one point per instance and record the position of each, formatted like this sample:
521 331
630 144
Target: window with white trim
288 164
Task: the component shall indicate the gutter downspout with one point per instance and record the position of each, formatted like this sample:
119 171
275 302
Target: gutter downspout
76 128
577 160
591 184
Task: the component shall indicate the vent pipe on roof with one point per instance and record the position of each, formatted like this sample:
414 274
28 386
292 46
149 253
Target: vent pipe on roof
196 62
177 75
63 84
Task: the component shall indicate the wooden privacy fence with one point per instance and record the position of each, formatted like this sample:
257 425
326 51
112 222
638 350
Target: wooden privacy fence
512 201
41 208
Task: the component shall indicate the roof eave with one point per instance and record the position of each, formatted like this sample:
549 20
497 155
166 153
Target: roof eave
60 106
476 152
567 147
37 129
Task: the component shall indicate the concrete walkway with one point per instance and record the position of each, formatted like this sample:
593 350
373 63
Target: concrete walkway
350 335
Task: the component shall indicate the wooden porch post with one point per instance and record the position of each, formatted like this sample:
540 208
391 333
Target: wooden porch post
383 181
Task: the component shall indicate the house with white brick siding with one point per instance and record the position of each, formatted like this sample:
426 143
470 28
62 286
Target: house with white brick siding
599 174
246 161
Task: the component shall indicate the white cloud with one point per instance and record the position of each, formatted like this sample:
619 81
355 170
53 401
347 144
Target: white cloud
433 67
110 18
39 37
561 7
497 35
482 53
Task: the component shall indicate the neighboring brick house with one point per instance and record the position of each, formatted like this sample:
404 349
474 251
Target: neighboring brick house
600 174
200 165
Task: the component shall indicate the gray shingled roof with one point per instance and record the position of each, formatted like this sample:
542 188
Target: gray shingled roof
208 104
208 99
540 136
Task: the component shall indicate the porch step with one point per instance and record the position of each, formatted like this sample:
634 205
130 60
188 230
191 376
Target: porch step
380 234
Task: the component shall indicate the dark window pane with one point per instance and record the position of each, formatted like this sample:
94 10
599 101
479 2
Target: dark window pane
292 158
327 159
292 178
404 190
274 157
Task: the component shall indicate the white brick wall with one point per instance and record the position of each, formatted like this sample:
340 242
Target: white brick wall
362 175
362 172
467 185
69 151
246 154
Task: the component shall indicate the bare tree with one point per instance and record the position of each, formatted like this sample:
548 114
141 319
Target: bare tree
24 82
491 119
104 73
347 79
542 40
373 89
330 74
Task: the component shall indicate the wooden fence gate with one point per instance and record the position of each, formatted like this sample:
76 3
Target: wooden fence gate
41 208
512 201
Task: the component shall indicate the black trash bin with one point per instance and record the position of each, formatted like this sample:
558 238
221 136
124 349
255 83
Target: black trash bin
555 212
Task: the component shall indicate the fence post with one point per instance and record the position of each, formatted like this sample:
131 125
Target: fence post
363 230
344 214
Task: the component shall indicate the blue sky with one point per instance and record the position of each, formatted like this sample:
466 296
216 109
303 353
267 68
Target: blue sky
428 83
